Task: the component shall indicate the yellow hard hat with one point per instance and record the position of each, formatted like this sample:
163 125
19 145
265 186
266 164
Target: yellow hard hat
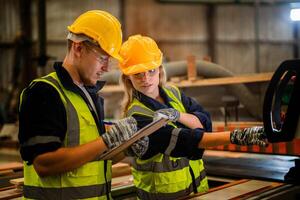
103 28
140 54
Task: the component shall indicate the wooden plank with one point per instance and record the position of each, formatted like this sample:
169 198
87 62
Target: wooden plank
191 68
145 131
121 169
251 78
17 181
10 194
7 188
11 166
247 78
237 190
121 181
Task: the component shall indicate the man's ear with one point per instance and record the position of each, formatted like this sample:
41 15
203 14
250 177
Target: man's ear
77 48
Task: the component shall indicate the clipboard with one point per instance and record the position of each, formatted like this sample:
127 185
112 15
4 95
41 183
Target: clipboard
145 131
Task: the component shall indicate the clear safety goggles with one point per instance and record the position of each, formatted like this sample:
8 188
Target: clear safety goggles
151 73
91 45
102 58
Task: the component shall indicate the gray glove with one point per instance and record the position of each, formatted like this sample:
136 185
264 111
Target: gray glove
169 113
139 148
120 132
249 136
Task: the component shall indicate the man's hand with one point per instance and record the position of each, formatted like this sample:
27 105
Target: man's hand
168 113
120 132
249 136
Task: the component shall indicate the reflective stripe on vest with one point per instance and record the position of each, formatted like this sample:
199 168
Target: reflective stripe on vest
170 196
87 181
73 122
40 139
164 166
81 192
173 141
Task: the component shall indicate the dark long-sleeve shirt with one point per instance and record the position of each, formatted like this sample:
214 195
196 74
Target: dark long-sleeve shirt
42 113
187 143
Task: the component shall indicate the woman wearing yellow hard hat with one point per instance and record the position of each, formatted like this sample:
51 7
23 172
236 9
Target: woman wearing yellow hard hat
168 164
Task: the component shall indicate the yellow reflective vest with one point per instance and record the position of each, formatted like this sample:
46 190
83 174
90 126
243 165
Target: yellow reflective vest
85 182
165 177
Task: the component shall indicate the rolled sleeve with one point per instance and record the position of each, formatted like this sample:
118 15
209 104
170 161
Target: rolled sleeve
193 107
187 144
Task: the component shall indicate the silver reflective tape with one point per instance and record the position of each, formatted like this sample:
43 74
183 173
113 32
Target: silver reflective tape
166 165
41 140
73 121
80 192
173 141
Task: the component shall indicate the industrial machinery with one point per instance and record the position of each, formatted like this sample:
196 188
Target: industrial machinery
272 172
281 109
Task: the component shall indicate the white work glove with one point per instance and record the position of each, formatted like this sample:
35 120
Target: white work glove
249 136
120 132
168 113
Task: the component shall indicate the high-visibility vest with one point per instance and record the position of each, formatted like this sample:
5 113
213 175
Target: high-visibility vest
85 182
162 176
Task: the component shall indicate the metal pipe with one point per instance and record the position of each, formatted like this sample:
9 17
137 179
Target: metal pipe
208 70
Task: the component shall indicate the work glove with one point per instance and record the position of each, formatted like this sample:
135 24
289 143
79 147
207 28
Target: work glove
120 132
168 113
140 147
249 136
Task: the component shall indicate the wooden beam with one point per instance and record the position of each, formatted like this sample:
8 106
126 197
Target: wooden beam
191 68
247 78
253 78
11 166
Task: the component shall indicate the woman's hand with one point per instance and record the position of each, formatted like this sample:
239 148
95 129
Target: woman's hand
249 136
168 113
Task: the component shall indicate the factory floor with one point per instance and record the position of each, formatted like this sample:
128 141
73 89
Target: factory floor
228 174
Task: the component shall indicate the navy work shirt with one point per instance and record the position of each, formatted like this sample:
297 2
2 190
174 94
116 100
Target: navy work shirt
188 139
42 113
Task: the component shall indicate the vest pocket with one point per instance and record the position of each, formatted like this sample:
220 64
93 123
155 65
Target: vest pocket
88 128
86 118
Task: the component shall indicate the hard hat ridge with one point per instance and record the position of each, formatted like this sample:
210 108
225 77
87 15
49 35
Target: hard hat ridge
140 54
102 27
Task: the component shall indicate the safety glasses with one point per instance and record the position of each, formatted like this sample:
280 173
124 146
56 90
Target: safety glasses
100 57
151 73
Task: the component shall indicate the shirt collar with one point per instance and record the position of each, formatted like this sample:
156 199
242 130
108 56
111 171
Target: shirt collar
68 83
153 103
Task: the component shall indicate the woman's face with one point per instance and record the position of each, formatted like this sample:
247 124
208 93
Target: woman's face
146 82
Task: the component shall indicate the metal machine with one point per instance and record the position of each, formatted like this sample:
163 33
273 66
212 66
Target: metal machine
281 109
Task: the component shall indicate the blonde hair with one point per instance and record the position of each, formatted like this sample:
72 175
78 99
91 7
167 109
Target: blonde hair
128 88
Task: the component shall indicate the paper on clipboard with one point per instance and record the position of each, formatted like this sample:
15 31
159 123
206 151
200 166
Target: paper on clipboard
145 131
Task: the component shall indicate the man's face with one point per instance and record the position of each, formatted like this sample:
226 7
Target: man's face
94 62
